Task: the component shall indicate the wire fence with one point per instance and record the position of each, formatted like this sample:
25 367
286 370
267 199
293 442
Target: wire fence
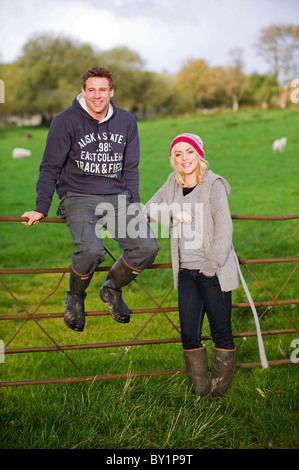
159 307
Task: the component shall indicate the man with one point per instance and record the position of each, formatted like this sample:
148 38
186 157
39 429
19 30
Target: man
91 158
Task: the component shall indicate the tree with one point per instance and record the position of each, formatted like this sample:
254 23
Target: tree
234 79
143 93
279 46
200 86
263 88
194 86
153 95
49 74
121 58
126 66
46 78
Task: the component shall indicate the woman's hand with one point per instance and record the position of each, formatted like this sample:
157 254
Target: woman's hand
185 217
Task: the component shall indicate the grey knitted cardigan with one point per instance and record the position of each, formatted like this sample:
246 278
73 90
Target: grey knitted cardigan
217 237
217 228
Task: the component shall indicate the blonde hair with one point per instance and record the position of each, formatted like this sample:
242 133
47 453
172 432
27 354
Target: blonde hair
202 167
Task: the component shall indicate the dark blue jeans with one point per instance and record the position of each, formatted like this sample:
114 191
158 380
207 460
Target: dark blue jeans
197 295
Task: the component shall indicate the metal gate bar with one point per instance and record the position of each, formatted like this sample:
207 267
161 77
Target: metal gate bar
143 342
102 378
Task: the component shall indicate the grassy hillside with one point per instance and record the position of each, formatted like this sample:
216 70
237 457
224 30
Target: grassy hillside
156 412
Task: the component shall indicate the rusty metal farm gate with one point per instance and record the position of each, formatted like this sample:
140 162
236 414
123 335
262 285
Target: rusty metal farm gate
156 307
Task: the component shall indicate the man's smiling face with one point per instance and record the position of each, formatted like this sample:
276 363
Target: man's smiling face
97 94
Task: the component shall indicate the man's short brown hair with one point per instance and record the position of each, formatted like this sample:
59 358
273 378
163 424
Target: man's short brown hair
100 72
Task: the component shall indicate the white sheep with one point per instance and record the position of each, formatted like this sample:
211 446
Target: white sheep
279 144
20 153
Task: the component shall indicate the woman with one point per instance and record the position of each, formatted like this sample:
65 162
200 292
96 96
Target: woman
193 202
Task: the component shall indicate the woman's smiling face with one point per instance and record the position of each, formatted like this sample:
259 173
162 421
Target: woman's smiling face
185 158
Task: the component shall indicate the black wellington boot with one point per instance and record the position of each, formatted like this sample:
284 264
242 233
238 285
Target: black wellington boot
119 275
74 314
197 369
222 370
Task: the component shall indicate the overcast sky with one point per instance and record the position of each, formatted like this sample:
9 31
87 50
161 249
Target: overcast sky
165 33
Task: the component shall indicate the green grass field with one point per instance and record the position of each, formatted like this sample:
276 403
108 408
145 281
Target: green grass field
156 412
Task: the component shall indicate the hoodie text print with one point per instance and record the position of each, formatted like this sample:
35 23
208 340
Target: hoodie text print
83 155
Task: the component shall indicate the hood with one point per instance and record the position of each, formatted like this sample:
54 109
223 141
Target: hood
209 177
80 104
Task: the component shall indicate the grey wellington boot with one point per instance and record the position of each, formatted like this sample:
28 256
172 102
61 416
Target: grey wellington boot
74 313
119 275
197 369
222 370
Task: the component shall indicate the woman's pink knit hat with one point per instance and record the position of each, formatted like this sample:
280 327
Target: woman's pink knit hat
191 139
